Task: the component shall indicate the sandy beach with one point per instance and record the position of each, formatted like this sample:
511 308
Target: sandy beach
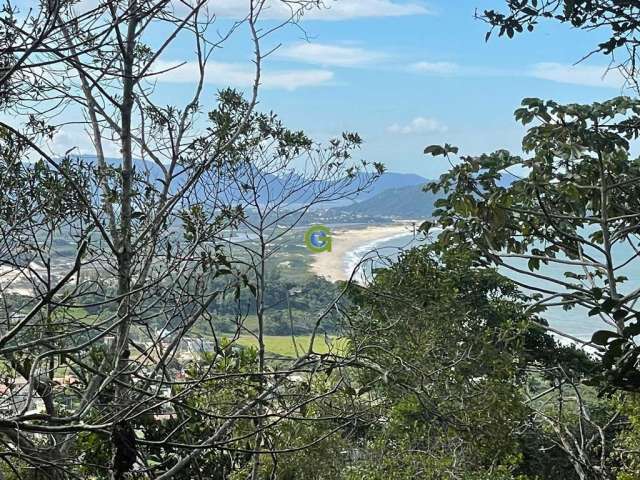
331 265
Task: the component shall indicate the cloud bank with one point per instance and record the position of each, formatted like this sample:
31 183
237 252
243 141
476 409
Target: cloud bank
240 75
331 55
586 75
418 125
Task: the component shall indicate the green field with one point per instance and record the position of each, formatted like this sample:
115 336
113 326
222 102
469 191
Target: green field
283 345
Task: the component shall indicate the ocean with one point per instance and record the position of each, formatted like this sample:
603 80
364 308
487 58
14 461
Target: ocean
575 322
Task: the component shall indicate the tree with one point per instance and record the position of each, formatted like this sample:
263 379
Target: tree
472 386
627 441
275 177
445 345
115 271
571 204
577 429
621 19
281 175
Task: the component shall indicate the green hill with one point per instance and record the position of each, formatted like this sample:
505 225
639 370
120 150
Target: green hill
405 202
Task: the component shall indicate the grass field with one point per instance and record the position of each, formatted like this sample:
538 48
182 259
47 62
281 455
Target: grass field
283 345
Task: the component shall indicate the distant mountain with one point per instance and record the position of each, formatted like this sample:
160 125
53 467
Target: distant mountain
409 202
391 180
393 195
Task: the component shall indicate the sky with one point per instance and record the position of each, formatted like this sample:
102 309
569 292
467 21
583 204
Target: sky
404 74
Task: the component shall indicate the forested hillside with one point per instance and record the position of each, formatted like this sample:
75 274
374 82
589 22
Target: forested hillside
408 202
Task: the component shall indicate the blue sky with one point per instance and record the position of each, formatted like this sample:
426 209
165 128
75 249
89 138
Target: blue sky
403 74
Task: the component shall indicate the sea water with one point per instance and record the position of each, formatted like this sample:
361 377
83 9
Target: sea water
575 322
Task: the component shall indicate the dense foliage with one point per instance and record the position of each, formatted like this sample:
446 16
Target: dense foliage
138 293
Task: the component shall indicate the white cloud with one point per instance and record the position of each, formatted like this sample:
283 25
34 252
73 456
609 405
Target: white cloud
293 79
440 68
240 75
587 75
330 55
418 125
76 141
581 74
349 9
332 9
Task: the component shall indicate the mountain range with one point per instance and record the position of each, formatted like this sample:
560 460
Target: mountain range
409 202
391 181
393 195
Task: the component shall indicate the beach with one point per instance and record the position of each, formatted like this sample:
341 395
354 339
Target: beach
348 245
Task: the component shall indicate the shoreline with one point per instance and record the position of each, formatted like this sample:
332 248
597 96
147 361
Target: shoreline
349 245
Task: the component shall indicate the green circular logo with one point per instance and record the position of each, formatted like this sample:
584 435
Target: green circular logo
318 239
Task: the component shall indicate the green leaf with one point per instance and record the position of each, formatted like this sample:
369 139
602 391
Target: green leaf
425 227
435 150
632 330
602 337
594 311
450 149
619 315
608 305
